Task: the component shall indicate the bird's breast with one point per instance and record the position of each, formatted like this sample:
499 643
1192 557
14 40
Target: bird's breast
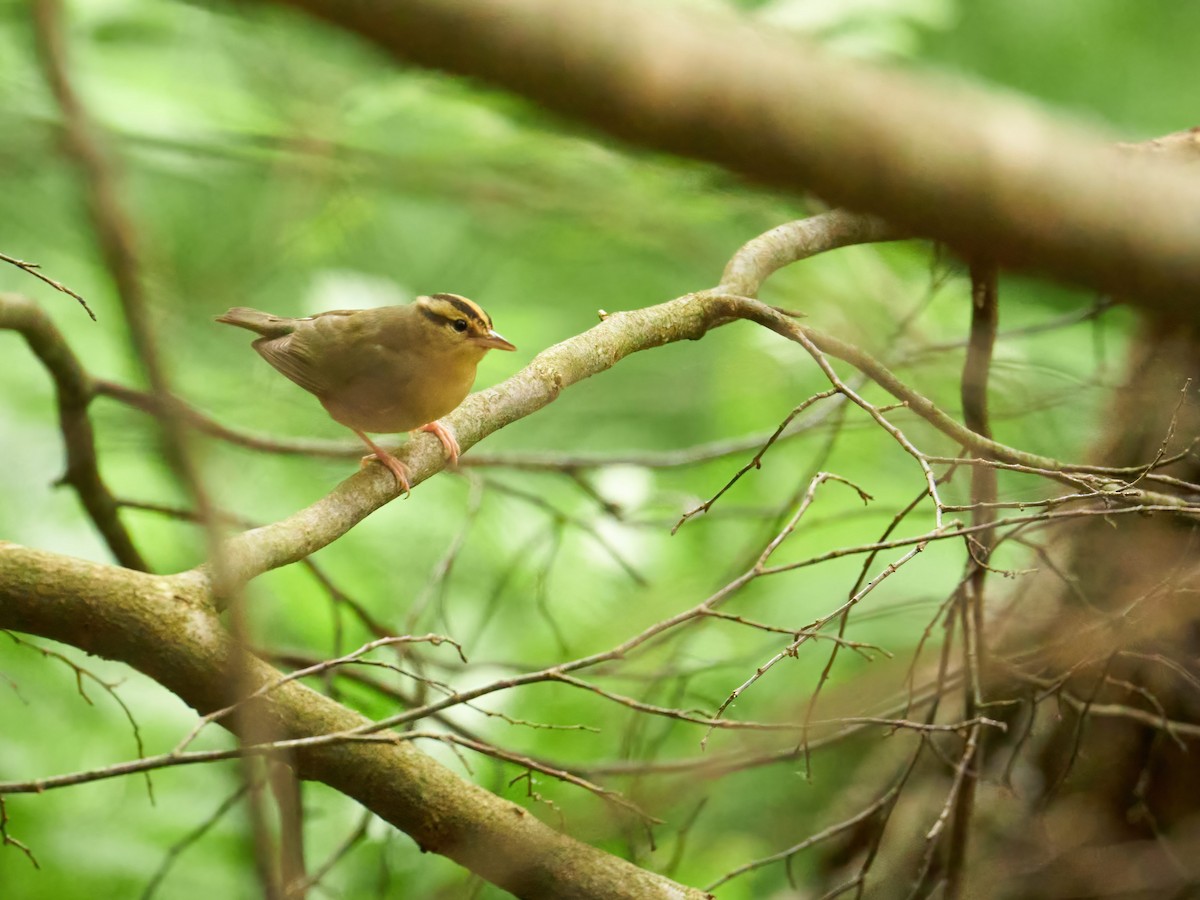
386 401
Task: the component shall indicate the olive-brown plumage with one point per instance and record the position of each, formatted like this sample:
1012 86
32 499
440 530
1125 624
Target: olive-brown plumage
391 369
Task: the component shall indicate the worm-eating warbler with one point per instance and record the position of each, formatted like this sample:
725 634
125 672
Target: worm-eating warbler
395 368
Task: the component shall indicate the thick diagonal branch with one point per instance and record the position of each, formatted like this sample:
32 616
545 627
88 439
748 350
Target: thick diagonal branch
167 630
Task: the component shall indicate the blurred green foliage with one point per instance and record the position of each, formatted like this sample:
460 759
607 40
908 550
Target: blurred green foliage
273 162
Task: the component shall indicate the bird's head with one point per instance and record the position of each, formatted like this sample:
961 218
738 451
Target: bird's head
460 326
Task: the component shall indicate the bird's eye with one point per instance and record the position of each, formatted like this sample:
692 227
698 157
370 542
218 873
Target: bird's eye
460 325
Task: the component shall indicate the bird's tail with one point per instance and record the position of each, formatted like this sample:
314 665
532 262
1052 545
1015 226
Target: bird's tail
260 322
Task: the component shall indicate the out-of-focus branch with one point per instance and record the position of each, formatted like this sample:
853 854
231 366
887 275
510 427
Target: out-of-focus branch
991 176
166 629
977 367
117 237
72 388
205 424
985 318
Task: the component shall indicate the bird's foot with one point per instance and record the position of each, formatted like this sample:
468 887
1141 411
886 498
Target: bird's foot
397 468
446 436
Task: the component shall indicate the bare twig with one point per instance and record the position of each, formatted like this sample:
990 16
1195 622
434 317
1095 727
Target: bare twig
83 674
309 671
756 460
7 840
534 765
35 270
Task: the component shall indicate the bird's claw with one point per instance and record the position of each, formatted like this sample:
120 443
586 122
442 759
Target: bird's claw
446 436
393 465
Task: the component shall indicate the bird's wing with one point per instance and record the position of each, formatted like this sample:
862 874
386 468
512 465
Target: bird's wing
324 352
292 358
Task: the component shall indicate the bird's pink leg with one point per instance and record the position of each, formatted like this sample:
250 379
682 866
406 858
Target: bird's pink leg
446 436
397 468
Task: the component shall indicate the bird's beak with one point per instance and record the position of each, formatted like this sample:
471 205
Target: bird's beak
494 341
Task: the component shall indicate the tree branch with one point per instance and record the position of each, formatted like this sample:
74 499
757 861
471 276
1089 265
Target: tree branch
73 392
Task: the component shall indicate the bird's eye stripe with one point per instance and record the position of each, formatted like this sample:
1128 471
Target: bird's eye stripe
466 307
433 316
458 323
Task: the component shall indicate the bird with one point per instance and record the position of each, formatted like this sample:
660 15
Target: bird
382 370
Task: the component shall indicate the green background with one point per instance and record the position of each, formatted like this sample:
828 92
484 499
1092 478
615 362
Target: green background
275 163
